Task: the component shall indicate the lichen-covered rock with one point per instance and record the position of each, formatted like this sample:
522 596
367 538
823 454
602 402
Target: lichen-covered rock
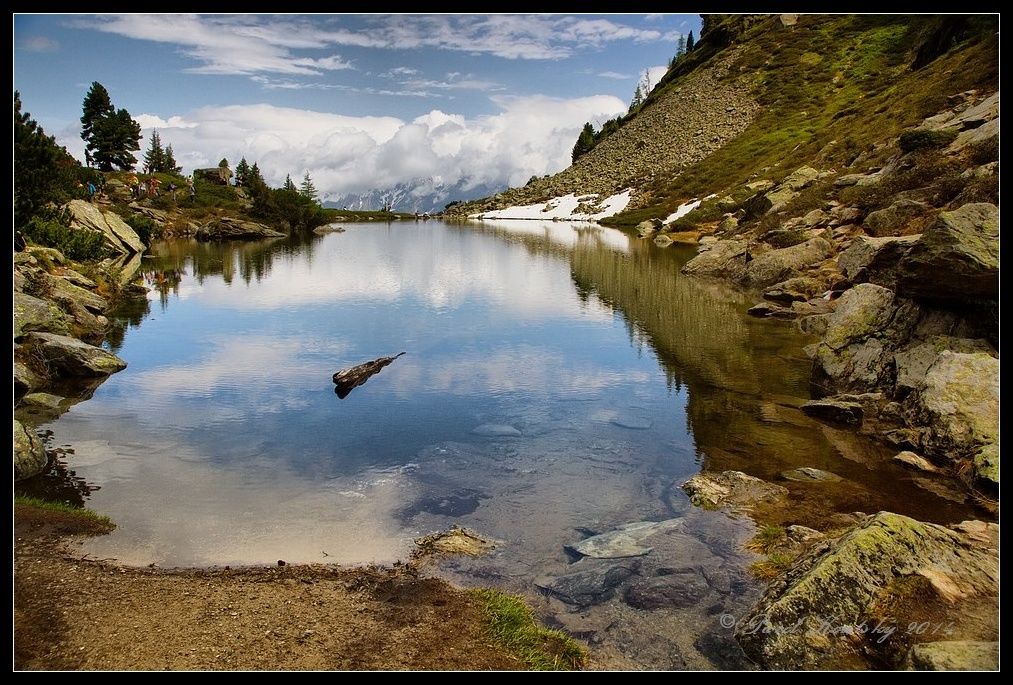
986 464
954 655
836 586
777 265
959 400
72 357
725 258
33 314
956 258
890 221
119 236
25 380
733 490
63 291
29 453
913 362
874 260
230 228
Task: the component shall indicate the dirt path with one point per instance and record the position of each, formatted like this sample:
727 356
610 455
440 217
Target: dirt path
74 614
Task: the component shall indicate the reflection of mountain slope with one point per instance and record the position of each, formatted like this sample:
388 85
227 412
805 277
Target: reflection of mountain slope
418 195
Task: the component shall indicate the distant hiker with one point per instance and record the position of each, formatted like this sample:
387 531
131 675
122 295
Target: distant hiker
142 189
153 187
190 189
134 186
91 191
172 190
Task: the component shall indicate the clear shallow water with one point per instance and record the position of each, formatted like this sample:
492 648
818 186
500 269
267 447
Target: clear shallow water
223 441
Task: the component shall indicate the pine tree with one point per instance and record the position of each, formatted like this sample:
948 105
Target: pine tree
255 178
585 142
289 185
307 189
680 49
242 173
638 98
43 170
690 42
169 161
111 135
154 158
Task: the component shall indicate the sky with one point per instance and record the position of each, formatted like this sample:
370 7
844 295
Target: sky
361 102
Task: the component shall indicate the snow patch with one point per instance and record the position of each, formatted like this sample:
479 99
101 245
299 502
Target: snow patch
563 208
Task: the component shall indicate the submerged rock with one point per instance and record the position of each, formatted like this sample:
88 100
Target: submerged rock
496 430
29 453
836 410
624 541
456 541
676 590
836 588
593 582
808 474
731 489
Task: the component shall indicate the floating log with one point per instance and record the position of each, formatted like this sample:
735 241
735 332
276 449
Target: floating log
347 380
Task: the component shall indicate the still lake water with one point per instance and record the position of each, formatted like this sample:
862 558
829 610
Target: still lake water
559 380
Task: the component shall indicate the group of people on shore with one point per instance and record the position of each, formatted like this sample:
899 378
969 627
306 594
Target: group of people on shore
141 188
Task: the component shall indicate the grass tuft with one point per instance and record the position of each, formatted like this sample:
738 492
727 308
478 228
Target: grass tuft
60 515
514 627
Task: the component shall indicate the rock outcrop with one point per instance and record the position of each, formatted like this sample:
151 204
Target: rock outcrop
230 228
73 357
823 612
119 236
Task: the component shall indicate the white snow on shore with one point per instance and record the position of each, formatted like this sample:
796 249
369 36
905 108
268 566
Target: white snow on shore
563 208
685 208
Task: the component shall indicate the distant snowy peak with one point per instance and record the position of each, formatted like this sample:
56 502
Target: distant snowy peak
419 195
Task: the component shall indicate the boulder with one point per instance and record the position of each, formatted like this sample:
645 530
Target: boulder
733 490
33 314
29 453
874 260
915 461
496 430
862 311
25 380
624 541
663 240
954 655
797 289
66 293
956 258
836 587
809 474
986 464
959 401
119 236
677 590
725 258
230 228
914 361
48 253
72 357
777 265
838 411
648 227
891 220
590 583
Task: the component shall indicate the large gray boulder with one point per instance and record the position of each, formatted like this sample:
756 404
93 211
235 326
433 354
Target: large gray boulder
914 361
956 258
29 453
63 291
230 228
874 260
33 314
725 258
891 220
777 265
959 400
841 582
70 356
119 236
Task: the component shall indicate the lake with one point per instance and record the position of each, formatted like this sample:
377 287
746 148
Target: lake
560 380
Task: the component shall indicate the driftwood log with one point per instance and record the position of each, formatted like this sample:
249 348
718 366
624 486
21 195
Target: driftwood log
347 380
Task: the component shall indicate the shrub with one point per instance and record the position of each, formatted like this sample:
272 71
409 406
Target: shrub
922 139
145 227
985 151
78 245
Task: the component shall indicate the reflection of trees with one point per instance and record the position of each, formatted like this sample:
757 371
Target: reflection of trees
128 313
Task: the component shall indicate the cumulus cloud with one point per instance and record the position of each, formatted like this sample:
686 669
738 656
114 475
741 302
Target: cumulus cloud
614 75
654 74
529 135
239 44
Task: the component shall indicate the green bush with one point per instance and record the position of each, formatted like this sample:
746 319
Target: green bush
921 139
145 227
79 245
985 151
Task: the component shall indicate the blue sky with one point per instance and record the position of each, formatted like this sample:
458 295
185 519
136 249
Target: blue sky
359 101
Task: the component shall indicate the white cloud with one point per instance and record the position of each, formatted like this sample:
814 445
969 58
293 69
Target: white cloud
530 135
232 44
39 44
654 17
654 74
614 75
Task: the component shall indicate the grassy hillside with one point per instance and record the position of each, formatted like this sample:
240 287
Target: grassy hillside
830 88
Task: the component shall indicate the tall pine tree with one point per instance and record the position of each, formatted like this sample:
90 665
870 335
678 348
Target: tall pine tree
43 170
584 144
111 135
154 158
690 42
169 161
289 185
243 173
307 189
